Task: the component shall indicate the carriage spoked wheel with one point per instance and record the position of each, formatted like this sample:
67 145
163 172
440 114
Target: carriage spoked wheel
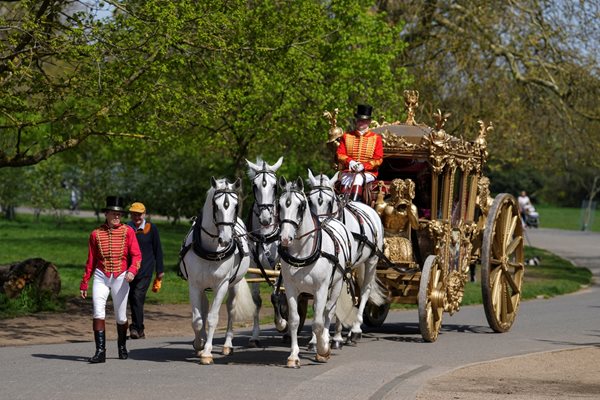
502 263
431 299
374 316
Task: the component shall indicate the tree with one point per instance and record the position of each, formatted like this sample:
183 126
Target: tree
530 65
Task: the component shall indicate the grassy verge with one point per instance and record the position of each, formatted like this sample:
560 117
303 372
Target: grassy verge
66 247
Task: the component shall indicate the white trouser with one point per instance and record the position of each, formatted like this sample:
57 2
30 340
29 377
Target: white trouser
356 179
117 287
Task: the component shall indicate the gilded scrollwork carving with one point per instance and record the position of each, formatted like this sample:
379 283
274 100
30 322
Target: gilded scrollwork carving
399 216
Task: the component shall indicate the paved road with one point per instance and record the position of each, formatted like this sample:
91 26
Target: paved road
390 363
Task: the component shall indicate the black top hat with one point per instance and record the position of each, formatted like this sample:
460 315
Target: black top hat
114 203
363 111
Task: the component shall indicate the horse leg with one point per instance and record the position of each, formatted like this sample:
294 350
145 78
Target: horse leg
321 324
338 339
366 282
197 319
254 339
293 360
212 320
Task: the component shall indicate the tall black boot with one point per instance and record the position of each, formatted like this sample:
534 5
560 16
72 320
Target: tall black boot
100 339
122 340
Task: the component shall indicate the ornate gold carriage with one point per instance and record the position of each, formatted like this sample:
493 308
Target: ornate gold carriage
440 222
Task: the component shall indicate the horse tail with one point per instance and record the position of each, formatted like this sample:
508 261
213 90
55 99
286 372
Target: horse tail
345 311
377 295
243 307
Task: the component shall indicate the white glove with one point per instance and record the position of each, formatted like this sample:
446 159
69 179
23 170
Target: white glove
352 164
359 167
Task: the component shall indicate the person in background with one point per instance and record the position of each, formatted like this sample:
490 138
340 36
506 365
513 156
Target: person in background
152 259
360 153
114 259
524 203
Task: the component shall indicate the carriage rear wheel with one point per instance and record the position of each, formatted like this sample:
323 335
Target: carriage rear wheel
502 263
375 315
431 299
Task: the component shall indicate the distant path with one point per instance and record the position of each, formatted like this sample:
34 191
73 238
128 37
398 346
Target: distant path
581 248
78 213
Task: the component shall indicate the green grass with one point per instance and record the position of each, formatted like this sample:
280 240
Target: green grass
565 218
66 247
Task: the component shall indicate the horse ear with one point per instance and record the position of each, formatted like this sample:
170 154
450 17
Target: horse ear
252 166
213 182
237 184
282 182
299 184
311 177
276 166
334 178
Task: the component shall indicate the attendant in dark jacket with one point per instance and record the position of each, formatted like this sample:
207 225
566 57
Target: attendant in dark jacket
152 259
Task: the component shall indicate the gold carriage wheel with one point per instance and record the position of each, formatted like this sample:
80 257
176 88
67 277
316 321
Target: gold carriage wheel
431 299
502 263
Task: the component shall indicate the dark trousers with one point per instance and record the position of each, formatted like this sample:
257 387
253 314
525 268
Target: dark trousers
137 296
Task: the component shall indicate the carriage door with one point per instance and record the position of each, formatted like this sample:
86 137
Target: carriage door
459 214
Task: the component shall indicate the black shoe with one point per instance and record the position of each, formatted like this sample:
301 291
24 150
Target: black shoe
133 333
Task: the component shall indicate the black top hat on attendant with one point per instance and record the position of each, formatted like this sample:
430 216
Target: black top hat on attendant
114 203
363 111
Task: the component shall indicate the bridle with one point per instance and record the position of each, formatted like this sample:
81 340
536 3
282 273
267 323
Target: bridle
226 203
259 207
300 214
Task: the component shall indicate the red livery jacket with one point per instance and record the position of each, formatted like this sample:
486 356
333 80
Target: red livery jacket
366 149
113 251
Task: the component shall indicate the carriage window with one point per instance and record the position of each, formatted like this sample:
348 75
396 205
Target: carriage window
457 196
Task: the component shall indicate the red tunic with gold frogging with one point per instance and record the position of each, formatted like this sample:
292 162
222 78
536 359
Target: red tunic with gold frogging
113 251
366 149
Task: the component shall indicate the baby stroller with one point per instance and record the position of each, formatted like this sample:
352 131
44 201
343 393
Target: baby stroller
532 218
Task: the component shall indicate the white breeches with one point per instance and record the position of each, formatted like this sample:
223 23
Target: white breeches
117 287
356 179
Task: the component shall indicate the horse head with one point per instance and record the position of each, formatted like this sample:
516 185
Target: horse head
292 209
224 201
322 197
264 186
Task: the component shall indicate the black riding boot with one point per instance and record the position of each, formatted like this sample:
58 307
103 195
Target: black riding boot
100 339
121 340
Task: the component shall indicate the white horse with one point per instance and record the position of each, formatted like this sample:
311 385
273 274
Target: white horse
263 235
219 260
367 235
313 255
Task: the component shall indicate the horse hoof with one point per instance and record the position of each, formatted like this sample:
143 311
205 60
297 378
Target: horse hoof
293 364
227 351
253 344
312 347
323 358
206 360
356 336
336 345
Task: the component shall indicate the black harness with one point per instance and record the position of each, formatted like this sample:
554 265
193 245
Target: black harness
197 229
318 252
263 240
